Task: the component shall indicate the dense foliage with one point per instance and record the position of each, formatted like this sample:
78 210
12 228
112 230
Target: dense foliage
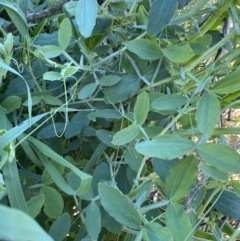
111 120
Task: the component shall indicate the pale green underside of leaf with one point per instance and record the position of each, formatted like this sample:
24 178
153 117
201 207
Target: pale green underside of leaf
85 15
16 225
222 157
165 147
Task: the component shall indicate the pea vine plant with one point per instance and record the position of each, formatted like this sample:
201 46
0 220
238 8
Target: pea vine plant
111 120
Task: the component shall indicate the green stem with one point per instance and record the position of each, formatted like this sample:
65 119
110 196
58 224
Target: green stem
208 54
185 17
209 23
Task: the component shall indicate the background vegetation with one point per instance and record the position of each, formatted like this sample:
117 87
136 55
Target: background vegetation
111 120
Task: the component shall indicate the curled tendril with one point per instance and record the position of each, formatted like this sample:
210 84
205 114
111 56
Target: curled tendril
20 67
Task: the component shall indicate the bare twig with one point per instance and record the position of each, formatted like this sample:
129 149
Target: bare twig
31 17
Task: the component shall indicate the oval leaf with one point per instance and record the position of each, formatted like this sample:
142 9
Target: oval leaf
160 14
93 220
125 88
35 204
106 137
87 91
53 205
106 114
156 232
11 103
211 171
60 227
222 157
144 48
208 113
85 16
228 84
181 178
64 33
141 108
109 80
51 130
52 76
169 102
126 135
228 204
165 147
134 159
179 53
119 206
178 222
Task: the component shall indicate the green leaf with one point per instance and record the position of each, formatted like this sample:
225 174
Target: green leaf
228 203
16 131
78 122
51 100
124 89
93 220
8 44
160 14
109 80
101 172
125 135
49 51
141 108
208 113
106 137
87 91
69 71
145 188
119 206
156 232
52 76
169 102
119 5
35 204
64 33
48 152
182 177
236 186
222 157
134 159
11 103
50 131
211 171
16 225
184 53
178 222
165 147
35 101
60 227
228 84
85 16
13 186
145 49
110 223
17 16
106 114
162 167
53 204
6 67
198 49
204 40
